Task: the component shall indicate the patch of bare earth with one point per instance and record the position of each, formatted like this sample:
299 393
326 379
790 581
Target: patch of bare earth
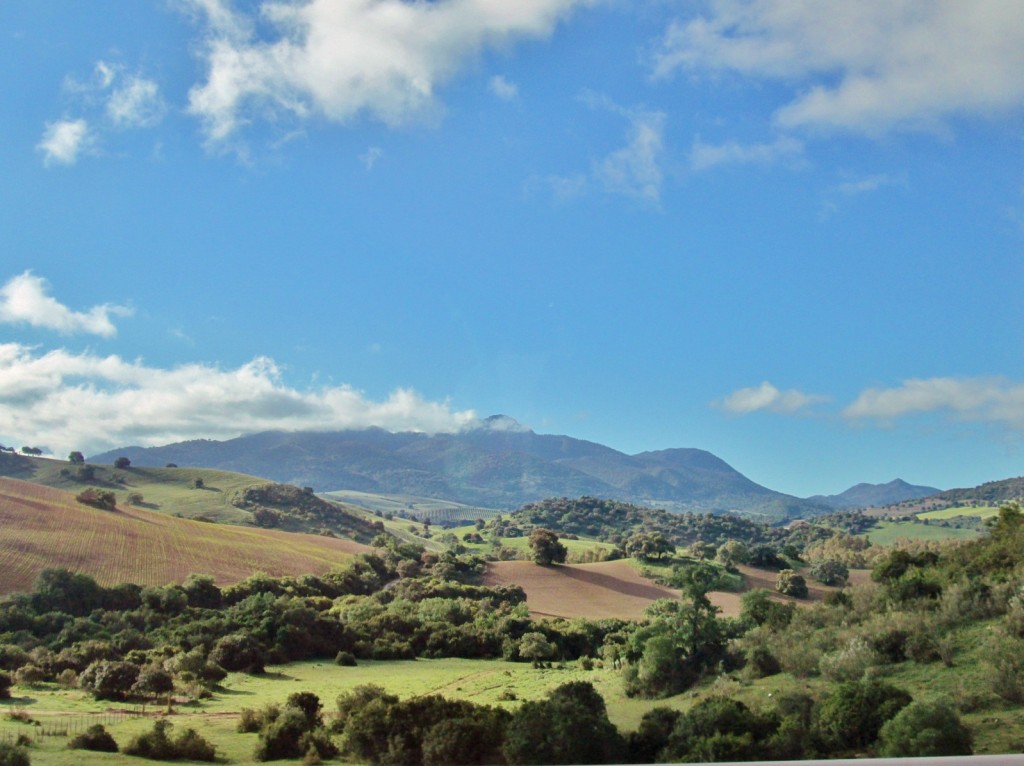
616 589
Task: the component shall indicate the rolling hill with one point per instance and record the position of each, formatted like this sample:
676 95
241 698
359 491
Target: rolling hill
874 495
499 465
44 527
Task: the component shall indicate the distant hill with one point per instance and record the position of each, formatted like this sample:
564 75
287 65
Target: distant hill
990 494
874 495
499 465
199 493
45 527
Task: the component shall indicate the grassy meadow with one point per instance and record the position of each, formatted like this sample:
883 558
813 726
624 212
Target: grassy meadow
888 532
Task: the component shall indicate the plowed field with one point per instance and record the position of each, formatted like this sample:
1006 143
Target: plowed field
616 589
44 527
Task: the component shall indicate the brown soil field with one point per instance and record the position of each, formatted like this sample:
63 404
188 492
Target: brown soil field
616 589
43 527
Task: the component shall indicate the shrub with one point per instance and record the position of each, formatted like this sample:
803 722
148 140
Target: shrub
97 738
345 659
108 679
13 755
6 682
29 675
830 572
103 499
158 746
925 729
851 716
850 662
762 663
791 584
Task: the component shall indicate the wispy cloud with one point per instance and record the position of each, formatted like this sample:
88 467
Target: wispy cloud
91 403
633 170
63 141
136 103
994 400
370 157
704 156
24 300
503 89
868 66
766 397
382 58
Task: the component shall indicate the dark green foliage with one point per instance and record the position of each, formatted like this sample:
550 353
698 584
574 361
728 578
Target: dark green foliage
546 548
345 659
157 745
758 608
718 729
925 729
852 714
76 458
153 681
830 572
310 706
13 755
5 685
122 463
109 679
645 744
384 730
791 584
563 730
766 557
202 592
761 662
238 652
97 738
287 507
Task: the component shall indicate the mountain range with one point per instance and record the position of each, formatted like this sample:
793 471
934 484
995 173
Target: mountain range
499 464
875 495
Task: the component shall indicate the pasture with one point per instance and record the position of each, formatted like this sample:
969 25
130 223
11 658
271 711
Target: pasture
44 527
888 532
981 512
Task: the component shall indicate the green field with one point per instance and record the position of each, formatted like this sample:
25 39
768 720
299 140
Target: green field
438 511
981 512
888 532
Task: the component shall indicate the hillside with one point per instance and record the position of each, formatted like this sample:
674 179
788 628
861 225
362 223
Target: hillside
198 493
43 527
874 495
990 494
499 465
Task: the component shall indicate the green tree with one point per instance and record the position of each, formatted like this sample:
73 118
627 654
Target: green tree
925 729
536 648
852 714
122 463
76 458
830 572
791 584
546 548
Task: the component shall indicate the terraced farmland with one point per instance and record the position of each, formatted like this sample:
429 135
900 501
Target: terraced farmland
45 527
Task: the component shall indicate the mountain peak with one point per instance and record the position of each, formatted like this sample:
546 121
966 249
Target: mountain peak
503 423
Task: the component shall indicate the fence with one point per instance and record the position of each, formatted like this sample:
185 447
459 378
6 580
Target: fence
66 725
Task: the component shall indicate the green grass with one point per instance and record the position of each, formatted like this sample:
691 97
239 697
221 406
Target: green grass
166 490
888 532
981 512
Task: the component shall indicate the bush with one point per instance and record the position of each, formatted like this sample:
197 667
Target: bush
103 499
94 738
850 662
852 715
830 572
109 680
13 755
925 729
791 584
6 682
158 746
345 659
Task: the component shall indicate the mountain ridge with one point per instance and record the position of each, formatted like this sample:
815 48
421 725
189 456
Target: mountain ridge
499 464
866 495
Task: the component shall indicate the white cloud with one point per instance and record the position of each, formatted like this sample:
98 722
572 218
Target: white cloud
868 184
63 141
635 169
383 58
866 66
91 403
370 156
136 103
23 300
768 397
704 156
503 89
994 400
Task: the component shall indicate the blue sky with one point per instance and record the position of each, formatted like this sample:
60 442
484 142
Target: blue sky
790 233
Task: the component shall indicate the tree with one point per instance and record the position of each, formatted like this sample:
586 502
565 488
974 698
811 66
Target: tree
122 462
76 458
852 715
198 483
830 572
925 729
536 648
791 584
31 451
546 548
